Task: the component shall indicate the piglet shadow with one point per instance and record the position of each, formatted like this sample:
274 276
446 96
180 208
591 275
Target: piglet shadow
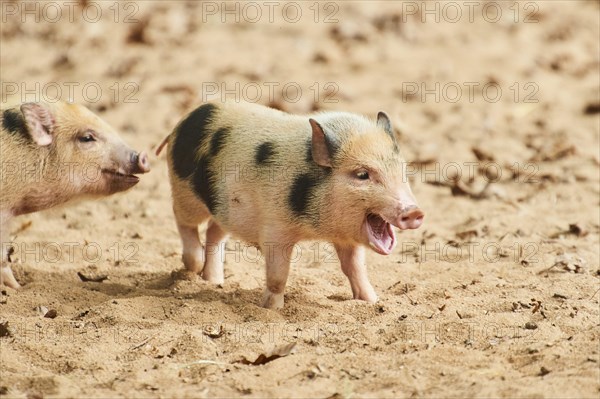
170 290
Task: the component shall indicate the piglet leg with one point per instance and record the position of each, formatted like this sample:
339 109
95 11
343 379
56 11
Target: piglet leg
277 257
215 252
352 259
7 278
193 252
6 275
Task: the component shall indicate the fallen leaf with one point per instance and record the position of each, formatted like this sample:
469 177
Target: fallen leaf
570 262
94 279
574 229
458 188
467 234
24 226
531 325
550 152
276 353
51 314
482 155
536 306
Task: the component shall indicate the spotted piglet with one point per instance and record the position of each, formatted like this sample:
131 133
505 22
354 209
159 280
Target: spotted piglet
273 179
52 154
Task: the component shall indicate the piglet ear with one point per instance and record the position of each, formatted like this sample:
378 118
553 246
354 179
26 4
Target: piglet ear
383 121
40 122
320 145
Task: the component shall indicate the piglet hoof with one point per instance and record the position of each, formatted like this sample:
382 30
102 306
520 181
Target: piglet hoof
272 301
212 278
7 278
192 262
367 296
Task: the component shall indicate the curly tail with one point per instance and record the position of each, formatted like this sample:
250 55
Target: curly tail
162 145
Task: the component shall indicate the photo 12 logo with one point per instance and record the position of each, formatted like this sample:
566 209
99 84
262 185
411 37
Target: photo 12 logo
524 253
489 171
269 92
467 332
453 92
471 11
71 252
69 11
270 12
52 92
53 172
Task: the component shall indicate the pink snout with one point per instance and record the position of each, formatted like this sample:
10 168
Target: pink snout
411 218
141 162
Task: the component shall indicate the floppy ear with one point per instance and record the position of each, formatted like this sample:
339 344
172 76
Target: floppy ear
383 121
322 146
39 121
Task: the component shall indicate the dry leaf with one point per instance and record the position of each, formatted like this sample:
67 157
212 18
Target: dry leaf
94 279
51 314
468 234
276 353
570 262
574 229
24 226
482 155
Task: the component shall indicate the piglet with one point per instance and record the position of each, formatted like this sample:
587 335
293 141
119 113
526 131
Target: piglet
273 179
54 153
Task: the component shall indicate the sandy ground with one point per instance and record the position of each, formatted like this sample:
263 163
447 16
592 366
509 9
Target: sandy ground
495 296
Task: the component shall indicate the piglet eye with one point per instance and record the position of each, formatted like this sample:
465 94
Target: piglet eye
87 137
362 175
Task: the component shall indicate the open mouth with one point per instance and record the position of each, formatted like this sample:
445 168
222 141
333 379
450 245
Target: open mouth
380 233
116 175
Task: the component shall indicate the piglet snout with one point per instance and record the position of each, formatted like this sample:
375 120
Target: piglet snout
140 162
411 218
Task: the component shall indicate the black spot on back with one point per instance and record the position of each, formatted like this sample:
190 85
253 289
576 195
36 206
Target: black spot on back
190 134
309 157
301 193
14 122
203 183
265 153
217 142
